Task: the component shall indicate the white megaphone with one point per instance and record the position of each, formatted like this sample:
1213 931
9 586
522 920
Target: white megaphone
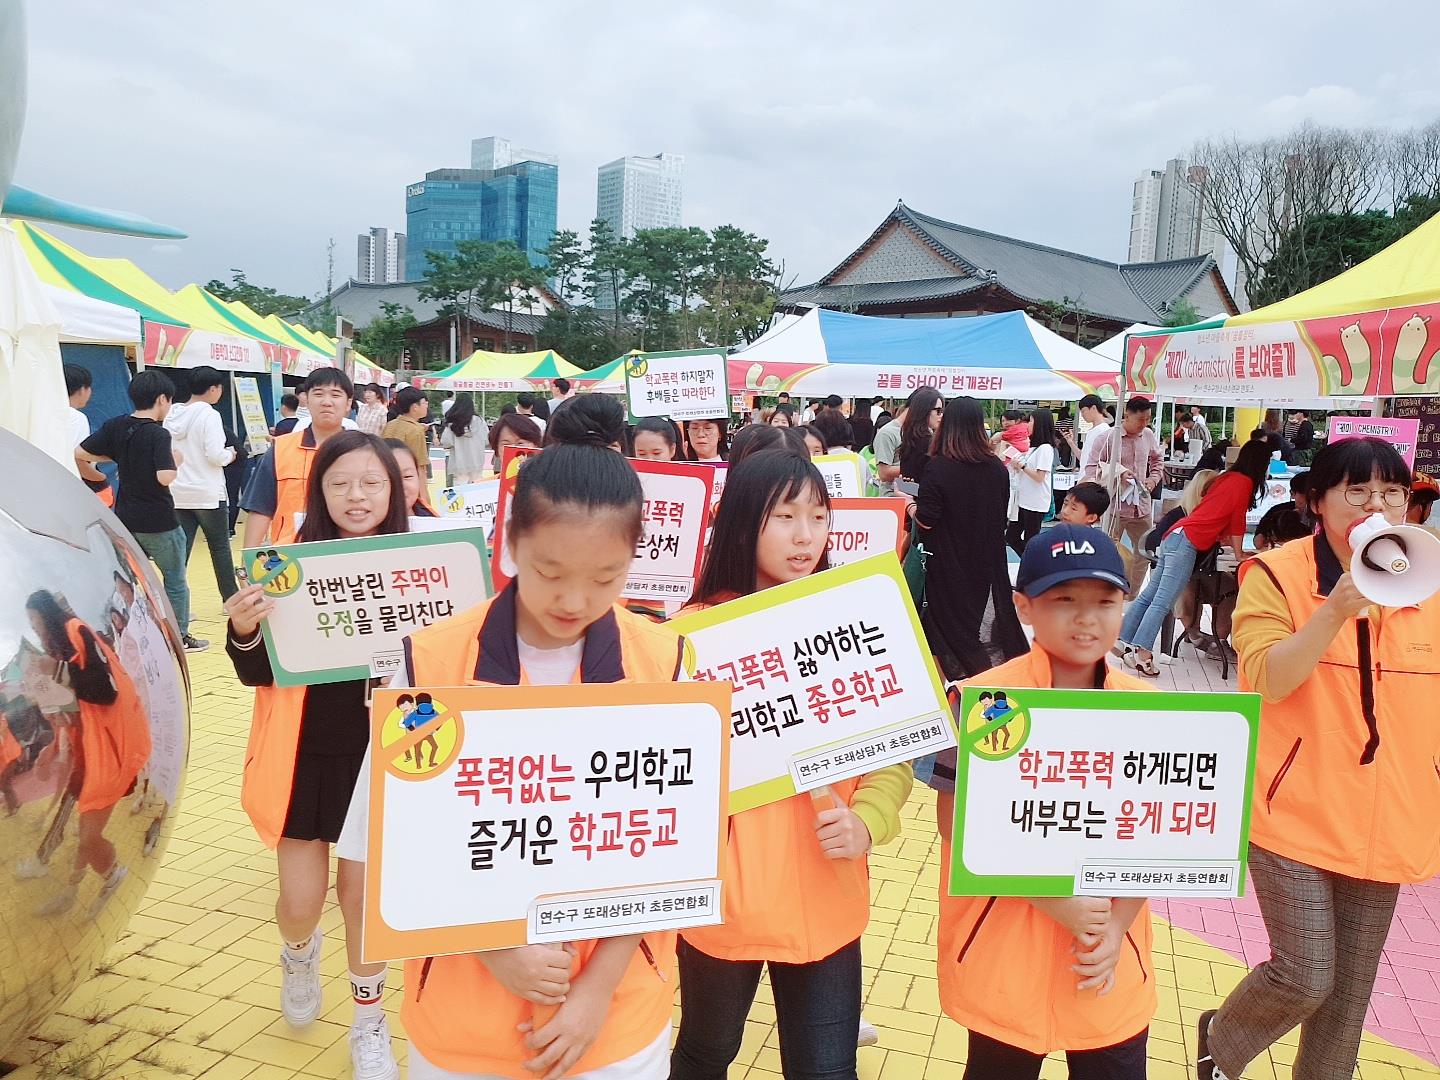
1394 565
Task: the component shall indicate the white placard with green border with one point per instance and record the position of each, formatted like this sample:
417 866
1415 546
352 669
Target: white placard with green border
1102 792
682 386
832 679
343 607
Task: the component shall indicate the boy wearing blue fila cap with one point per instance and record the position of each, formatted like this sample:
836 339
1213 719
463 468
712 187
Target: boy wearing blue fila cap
1030 976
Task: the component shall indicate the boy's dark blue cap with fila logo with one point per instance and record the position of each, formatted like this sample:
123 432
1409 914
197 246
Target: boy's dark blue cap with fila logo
1068 553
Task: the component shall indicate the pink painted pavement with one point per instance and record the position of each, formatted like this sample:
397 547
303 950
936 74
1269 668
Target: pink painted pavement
1405 1007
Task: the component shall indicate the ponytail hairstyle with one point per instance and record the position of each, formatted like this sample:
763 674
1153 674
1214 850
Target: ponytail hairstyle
581 478
594 419
752 491
318 524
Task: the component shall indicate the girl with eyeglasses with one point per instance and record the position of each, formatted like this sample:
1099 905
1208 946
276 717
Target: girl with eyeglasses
306 747
1346 789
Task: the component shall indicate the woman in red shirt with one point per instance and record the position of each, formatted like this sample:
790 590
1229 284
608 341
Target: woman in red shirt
1220 516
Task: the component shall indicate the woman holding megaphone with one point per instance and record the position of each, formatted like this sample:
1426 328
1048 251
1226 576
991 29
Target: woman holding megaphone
1347 778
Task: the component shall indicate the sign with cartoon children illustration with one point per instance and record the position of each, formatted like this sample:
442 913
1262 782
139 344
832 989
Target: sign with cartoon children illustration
343 607
507 815
1102 792
832 679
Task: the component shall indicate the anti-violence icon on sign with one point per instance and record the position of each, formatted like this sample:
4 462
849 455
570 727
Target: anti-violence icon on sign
420 737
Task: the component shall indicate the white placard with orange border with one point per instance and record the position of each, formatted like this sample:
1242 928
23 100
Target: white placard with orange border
506 815
860 528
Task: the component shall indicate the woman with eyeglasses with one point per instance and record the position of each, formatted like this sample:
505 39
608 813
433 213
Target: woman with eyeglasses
1347 775
306 747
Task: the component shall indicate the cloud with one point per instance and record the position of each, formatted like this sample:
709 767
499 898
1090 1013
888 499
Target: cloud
267 129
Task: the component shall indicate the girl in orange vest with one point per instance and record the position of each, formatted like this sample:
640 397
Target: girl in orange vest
1029 976
1347 772
604 1007
306 746
797 893
111 746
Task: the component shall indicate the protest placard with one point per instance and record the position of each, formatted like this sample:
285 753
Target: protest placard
505 815
1403 434
860 528
832 679
678 496
501 568
843 473
343 607
252 412
1102 792
682 386
475 503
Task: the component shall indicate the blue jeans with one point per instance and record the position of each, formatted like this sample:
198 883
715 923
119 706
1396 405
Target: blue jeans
215 524
167 550
1167 581
817 1008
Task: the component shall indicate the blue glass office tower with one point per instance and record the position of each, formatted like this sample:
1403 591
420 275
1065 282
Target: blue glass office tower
516 203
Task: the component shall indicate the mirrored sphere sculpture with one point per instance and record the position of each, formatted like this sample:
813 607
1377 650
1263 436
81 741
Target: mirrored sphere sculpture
94 727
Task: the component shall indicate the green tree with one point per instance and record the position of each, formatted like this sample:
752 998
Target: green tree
1325 245
1181 313
259 298
740 288
604 268
567 258
585 336
383 341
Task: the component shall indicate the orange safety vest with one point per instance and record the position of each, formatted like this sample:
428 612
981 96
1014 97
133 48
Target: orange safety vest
783 899
458 1015
294 454
1005 965
1347 774
269 776
114 738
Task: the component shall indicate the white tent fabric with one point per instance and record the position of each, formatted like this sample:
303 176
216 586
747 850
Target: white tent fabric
1005 355
32 383
85 320
1113 349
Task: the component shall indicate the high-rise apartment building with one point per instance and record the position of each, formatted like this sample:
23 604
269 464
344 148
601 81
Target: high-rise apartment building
1167 216
634 193
513 201
494 152
379 257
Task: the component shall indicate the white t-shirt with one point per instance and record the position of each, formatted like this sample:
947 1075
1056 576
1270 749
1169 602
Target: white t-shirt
1092 443
79 426
1031 494
302 421
543 667
538 420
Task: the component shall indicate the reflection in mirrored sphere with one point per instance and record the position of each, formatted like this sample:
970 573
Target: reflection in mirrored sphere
94 724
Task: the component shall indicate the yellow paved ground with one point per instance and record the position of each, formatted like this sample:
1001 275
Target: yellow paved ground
191 989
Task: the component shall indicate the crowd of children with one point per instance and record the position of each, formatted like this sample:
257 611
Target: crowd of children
1026 976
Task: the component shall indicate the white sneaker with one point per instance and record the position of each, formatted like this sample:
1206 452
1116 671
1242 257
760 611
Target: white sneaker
869 1034
30 868
112 882
300 993
370 1055
60 903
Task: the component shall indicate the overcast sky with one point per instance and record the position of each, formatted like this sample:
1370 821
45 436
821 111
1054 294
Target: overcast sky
266 128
